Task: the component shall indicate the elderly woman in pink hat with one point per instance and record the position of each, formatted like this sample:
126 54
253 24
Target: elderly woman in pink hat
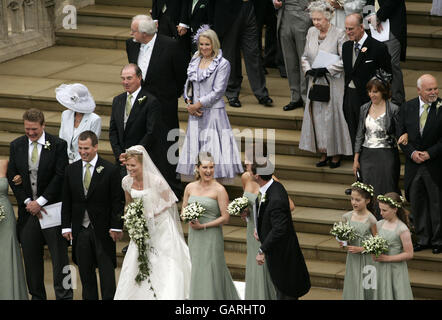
79 117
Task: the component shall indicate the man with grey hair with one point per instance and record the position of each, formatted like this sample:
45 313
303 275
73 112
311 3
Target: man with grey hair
421 119
162 63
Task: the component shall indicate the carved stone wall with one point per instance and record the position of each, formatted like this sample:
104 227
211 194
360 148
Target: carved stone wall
29 25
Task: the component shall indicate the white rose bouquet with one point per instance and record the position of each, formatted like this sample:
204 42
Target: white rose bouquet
343 232
375 245
2 213
237 206
192 212
136 224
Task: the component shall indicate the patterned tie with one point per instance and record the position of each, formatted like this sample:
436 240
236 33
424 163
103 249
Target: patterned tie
259 197
128 104
424 116
356 48
34 155
87 176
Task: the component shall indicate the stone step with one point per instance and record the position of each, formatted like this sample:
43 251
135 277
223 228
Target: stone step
110 15
130 3
322 247
330 274
424 36
418 12
419 58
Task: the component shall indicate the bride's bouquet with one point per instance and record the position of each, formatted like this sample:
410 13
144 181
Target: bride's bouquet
136 224
375 245
2 213
343 232
192 212
237 206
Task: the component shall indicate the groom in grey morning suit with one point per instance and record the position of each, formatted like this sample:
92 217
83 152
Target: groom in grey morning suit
293 24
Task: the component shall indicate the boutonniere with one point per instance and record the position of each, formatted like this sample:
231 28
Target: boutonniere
438 105
202 6
99 169
263 198
364 49
141 99
47 145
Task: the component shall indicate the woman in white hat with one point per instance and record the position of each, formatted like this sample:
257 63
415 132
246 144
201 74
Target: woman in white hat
79 117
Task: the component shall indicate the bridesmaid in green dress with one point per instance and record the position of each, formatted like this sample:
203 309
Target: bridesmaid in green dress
392 271
364 223
210 277
259 285
12 277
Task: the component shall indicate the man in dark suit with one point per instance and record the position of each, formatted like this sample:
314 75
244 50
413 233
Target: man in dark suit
362 56
93 203
173 20
36 167
395 11
234 21
421 118
163 65
198 15
279 243
136 119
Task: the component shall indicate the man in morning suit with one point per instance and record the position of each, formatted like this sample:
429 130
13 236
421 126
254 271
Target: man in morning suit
362 56
93 203
36 167
136 119
234 21
173 20
421 118
163 65
198 15
279 243
395 12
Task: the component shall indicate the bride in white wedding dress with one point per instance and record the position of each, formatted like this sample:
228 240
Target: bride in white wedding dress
169 259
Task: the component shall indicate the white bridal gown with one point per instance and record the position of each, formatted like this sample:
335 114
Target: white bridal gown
170 261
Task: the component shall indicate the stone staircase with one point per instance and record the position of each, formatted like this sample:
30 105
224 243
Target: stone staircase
94 54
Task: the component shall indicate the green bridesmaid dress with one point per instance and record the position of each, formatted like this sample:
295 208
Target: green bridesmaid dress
393 281
12 276
354 267
210 277
259 285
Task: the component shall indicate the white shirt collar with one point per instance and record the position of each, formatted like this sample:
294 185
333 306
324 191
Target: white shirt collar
41 140
93 162
150 44
421 102
134 94
264 188
361 42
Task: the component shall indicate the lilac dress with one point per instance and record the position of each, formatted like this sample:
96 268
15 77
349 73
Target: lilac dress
212 131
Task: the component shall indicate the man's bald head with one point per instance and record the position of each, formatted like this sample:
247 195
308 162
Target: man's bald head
354 26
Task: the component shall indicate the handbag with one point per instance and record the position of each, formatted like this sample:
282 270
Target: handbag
319 92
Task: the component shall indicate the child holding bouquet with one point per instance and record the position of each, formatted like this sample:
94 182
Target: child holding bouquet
364 224
393 282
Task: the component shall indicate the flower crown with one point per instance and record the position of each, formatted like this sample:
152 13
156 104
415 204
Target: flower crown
391 201
203 28
367 187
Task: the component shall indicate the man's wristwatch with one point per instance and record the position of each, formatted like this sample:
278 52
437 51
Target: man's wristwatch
260 251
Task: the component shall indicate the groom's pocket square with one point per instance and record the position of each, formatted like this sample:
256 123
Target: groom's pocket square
368 61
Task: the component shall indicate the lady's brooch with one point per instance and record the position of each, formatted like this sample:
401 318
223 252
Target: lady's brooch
47 145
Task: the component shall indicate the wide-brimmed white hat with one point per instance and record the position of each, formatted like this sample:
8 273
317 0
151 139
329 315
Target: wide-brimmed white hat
75 97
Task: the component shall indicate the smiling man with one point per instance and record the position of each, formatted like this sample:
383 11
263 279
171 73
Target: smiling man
93 203
36 167
136 120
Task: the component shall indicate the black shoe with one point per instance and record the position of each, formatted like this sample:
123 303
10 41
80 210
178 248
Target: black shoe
124 250
437 249
234 102
266 101
294 105
334 165
420 247
322 163
282 72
